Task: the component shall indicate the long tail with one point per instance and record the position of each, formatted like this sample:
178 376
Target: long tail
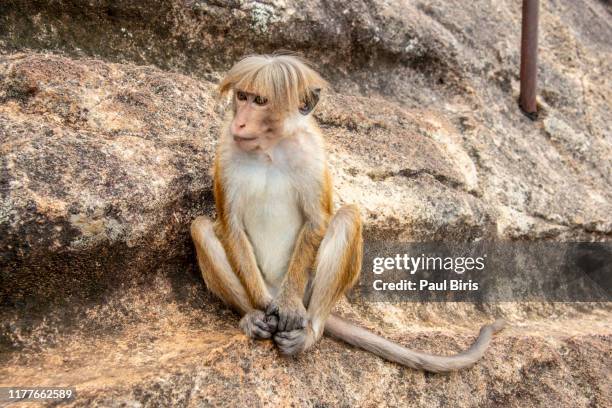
362 338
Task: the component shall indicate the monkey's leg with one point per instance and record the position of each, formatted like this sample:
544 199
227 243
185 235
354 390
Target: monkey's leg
222 281
338 265
337 268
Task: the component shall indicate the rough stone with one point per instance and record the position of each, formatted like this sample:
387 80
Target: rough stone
108 122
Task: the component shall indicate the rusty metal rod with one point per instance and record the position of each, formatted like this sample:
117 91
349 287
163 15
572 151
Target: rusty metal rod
529 58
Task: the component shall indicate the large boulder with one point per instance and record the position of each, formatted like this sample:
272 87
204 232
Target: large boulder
108 123
103 166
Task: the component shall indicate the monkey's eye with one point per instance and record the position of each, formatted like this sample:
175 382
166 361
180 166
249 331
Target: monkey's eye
260 100
241 96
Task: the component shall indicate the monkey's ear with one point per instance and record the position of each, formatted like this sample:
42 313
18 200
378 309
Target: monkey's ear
310 102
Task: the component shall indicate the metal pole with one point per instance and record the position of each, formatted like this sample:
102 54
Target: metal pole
529 58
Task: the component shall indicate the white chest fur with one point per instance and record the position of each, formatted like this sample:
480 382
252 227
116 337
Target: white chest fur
265 202
272 194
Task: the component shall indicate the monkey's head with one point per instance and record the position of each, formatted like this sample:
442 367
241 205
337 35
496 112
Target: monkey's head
270 94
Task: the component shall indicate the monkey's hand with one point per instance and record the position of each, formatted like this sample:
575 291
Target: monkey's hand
290 314
255 325
295 341
293 332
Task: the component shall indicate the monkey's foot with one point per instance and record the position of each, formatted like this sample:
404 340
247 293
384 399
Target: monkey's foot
254 325
295 341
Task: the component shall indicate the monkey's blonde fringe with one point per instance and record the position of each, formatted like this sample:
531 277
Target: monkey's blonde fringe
284 79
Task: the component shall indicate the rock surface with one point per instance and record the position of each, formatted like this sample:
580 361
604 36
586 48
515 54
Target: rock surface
108 122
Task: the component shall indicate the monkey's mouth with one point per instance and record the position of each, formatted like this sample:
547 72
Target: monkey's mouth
243 139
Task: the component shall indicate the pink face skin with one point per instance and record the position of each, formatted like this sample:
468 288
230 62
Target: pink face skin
255 126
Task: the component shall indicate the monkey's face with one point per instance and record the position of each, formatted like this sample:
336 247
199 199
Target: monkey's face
255 124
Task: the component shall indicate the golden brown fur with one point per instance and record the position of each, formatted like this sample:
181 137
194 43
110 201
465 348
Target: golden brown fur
284 79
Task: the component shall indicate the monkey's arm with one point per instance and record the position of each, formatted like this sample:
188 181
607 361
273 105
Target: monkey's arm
288 304
242 259
239 250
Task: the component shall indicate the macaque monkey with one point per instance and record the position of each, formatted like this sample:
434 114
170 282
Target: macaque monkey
278 253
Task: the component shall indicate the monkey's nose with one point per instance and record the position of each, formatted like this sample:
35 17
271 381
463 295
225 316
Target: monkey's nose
238 128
